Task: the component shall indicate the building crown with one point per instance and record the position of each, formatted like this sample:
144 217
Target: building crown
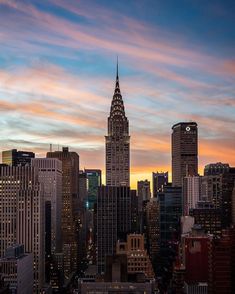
117 106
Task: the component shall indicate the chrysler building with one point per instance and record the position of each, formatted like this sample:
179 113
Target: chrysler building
117 142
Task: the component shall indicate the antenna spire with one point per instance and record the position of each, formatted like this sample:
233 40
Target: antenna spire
117 69
117 88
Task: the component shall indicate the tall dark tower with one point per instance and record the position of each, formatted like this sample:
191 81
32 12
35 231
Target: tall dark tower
117 142
184 151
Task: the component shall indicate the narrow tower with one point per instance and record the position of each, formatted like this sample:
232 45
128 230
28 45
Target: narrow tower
117 142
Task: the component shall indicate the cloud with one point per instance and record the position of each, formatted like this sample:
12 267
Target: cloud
165 80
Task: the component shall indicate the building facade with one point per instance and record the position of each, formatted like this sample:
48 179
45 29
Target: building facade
143 190
160 179
114 220
94 177
16 269
15 158
184 142
192 187
50 176
153 228
138 260
22 215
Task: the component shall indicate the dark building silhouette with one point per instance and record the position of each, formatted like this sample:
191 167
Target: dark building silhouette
117 142
184 151
114 219
170 208
222 264
208 217
15 158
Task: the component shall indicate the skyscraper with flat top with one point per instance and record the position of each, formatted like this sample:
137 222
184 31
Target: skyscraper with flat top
184 151
69 215
117 142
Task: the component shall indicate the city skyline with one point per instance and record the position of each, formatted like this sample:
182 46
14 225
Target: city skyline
57 76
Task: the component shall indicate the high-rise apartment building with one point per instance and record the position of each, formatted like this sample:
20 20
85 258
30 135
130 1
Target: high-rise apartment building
15 158
160 179
184 151
69 218
22 215
117 142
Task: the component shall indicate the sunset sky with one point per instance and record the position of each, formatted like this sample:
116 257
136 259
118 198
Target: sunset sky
176 63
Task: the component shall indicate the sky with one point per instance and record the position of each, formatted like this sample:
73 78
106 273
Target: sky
176 63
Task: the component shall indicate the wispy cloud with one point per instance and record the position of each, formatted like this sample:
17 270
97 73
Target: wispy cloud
55 74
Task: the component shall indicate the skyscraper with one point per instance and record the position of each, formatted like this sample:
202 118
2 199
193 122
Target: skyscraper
22 215
114 219
117 142
50 176
184 151
69 220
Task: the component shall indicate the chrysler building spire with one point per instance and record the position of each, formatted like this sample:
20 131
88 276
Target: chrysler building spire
117 142
117 87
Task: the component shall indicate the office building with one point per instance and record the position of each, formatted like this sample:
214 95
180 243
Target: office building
94 177
138 260
218 168
22 215
117 142
114 220
192 187
143 190
50 176
195 256
15 158
159 181
170 206
184 142
70 204
83 188
219 190
16 269
222 263
153 228
208 217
